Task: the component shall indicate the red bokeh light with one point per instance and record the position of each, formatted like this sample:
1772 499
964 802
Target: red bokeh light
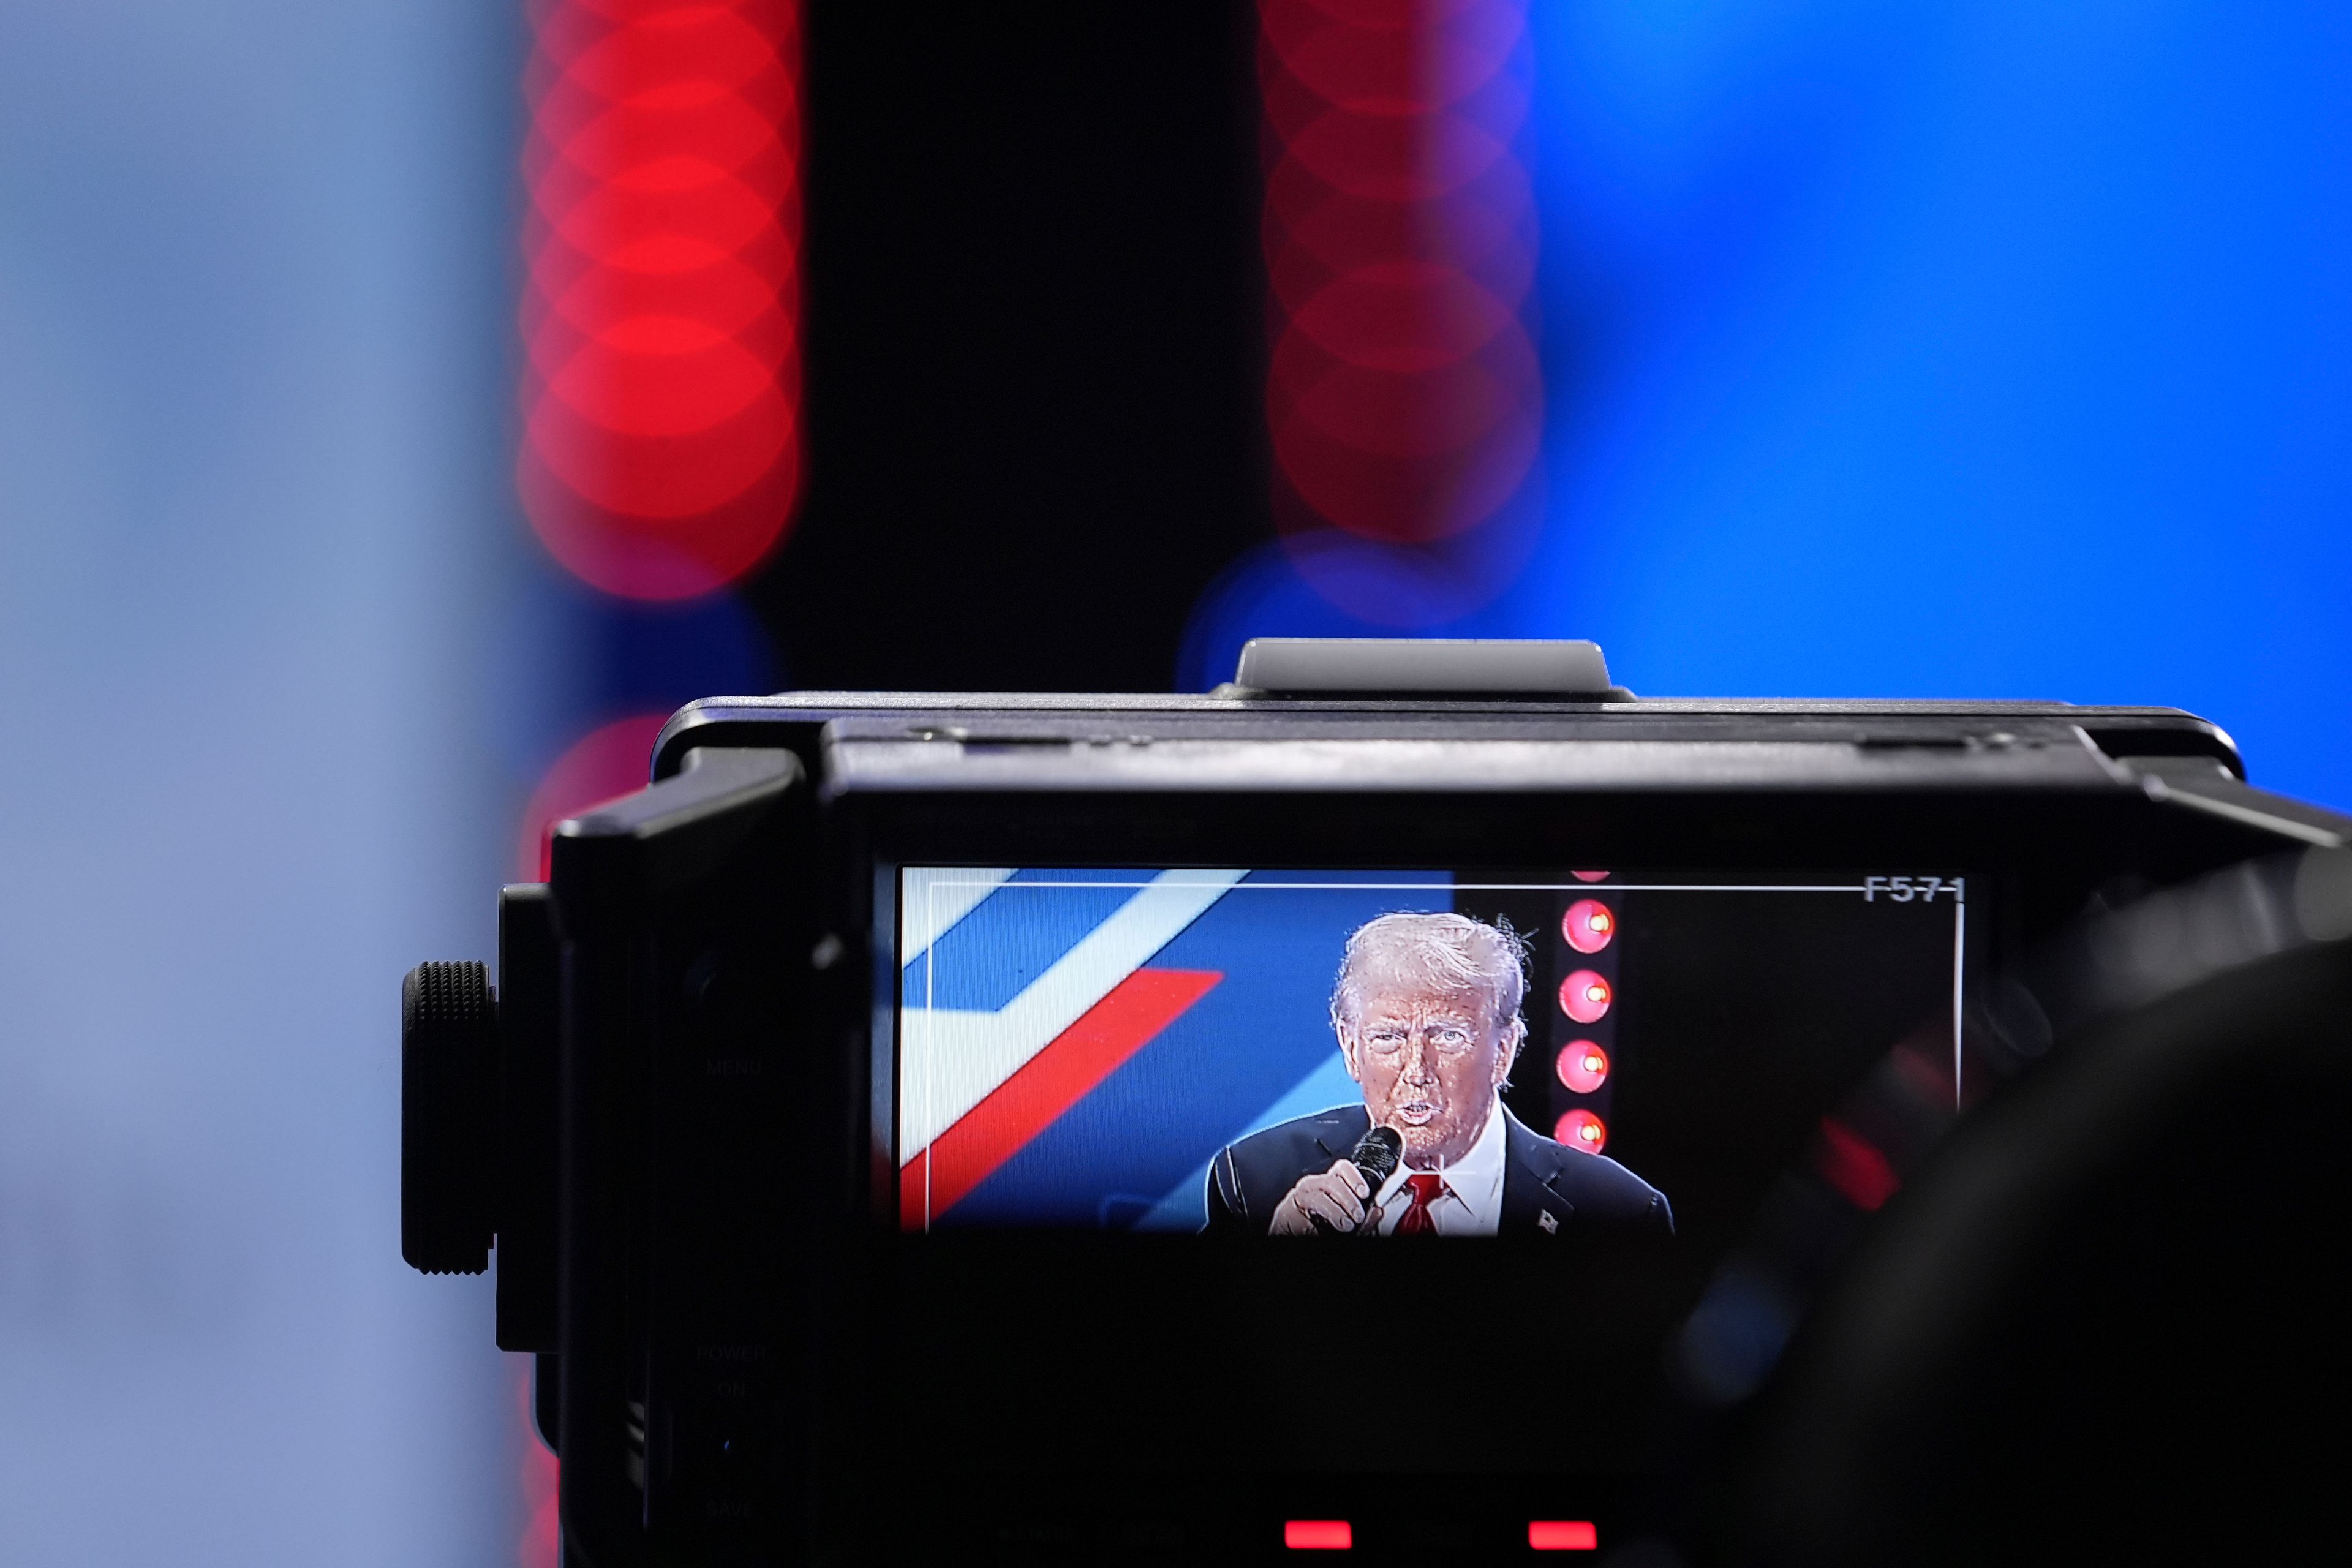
541 1536
1589 925
1855 1166
1582 1129
1585 996
1317 1534
1583 1066
661 418
1353 64
1484 230
1563 1535
604 764
1405 398
1385 412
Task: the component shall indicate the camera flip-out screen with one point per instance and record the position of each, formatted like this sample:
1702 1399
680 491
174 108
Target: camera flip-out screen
1449 1053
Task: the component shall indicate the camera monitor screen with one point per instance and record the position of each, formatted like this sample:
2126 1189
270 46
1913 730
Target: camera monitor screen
1452 1054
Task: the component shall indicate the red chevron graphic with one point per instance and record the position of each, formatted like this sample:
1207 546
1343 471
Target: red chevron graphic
1048 1084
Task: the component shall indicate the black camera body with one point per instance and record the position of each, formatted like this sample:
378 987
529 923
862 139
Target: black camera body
841 1236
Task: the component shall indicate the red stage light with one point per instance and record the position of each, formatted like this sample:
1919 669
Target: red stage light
722 294
662 411
1582 1129
700 120
1443 418
1583 1066
1404 500
1335 51
1397 157
1589 925
1589 876
1563 1535
610 546
1412 317
540 1545
1855 1166
1317 1534
1484 230
661 375
1405 398
645 475
663 42
1585 996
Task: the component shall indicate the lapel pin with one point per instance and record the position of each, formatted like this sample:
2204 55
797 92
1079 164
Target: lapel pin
1548 1224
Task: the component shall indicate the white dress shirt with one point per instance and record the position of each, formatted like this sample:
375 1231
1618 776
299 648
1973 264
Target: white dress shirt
1472 1201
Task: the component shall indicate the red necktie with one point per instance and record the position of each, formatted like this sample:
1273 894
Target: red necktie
1425 1186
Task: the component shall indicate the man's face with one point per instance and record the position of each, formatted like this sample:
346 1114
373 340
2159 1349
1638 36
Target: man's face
1429 1062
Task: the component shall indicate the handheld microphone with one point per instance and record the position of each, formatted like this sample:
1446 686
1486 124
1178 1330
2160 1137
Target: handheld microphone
1376 1154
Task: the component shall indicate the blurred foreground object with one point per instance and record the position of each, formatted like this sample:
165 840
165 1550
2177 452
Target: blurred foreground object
2099 1324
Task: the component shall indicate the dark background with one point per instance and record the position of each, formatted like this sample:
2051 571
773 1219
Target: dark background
1743 1018
1034 343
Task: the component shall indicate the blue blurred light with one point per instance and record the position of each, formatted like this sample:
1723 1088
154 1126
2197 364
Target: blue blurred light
1944 350
1953 351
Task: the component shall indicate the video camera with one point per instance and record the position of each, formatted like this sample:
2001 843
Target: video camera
1307 1115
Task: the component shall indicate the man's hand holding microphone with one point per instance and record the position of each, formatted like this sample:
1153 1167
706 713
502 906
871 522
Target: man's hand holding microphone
1339 1202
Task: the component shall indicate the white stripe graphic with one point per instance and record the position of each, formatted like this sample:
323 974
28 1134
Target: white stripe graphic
931 898
950 1059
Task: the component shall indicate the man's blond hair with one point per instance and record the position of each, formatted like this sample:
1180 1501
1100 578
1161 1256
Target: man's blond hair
1448 953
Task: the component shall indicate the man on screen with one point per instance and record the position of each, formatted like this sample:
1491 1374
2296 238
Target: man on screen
1427 1014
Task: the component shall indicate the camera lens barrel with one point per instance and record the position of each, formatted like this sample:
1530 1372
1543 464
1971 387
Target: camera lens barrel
448 1102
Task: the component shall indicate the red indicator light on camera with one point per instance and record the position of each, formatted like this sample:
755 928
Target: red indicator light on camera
1583 1066
1585 996
1588 925
1582 1129
1563 1535
1317 1534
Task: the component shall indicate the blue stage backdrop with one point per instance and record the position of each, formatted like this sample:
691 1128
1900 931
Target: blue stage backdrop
1937 350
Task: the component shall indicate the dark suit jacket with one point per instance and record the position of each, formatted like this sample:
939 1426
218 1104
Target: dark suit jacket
1541 1178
